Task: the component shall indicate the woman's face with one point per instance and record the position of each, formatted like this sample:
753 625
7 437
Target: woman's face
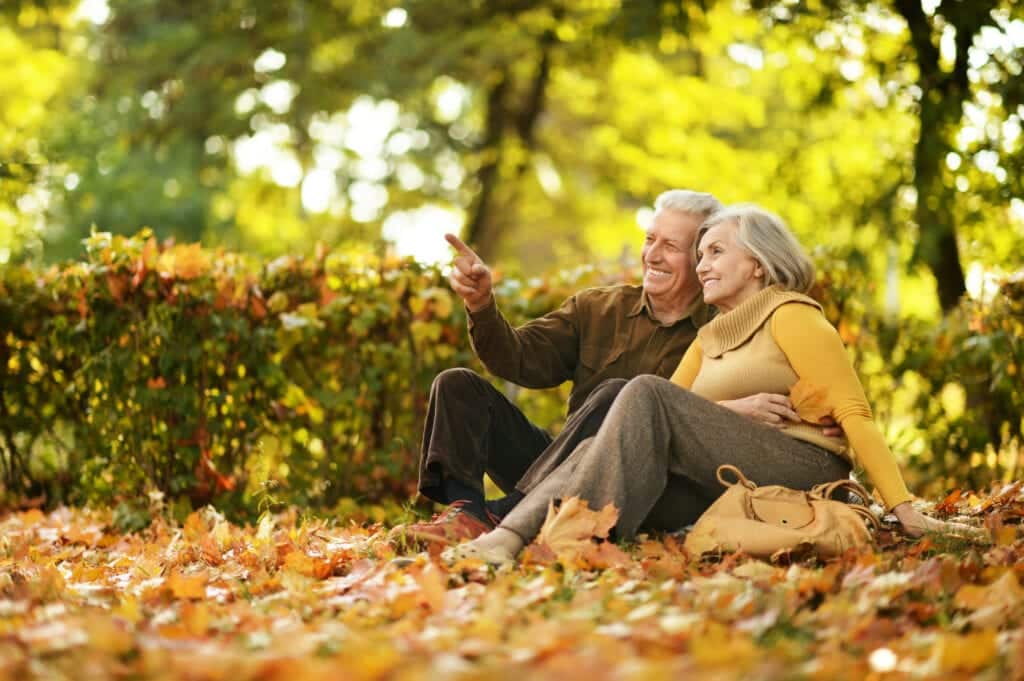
727 272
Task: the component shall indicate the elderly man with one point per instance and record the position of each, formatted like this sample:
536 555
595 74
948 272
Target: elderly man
598 339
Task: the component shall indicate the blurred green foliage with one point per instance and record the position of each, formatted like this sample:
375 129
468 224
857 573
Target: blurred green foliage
888 130
199 375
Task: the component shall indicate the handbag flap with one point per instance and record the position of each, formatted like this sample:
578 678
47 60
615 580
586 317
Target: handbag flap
790 511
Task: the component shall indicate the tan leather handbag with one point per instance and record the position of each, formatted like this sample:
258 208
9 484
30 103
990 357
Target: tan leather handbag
761 521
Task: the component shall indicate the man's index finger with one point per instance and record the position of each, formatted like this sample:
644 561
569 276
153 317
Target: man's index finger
462 248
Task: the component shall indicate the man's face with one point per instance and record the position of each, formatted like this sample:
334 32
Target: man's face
667 256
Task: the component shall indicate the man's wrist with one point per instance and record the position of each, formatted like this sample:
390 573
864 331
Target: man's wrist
488 302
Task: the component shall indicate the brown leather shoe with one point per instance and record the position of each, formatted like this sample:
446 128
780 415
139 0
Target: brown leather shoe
451 526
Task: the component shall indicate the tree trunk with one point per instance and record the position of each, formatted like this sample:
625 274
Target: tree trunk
942 97
481 232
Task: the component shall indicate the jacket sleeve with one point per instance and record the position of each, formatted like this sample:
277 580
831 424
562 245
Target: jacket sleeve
689 366
817 355
539 354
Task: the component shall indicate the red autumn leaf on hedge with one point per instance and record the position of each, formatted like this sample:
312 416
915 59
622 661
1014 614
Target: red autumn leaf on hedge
117 285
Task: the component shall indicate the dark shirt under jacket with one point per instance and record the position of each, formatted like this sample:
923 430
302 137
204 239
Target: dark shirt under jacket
598 333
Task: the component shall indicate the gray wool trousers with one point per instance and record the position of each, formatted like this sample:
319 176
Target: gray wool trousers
656 455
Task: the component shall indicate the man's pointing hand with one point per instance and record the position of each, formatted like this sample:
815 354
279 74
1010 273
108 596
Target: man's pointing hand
470 277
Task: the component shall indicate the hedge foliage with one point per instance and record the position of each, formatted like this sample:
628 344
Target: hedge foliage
193 376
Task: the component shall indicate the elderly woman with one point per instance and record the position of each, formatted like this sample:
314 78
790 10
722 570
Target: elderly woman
656 454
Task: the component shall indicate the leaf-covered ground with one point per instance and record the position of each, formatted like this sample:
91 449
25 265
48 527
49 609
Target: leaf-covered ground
296 599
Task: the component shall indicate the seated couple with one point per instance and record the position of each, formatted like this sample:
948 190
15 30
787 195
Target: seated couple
651 445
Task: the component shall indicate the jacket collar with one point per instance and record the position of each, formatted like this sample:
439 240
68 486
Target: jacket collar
698 312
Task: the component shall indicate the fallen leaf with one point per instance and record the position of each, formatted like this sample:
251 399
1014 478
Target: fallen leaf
991 604
810 401
968 653
571 527
191 586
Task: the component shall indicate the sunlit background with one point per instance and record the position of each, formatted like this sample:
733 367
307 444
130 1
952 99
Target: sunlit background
541 132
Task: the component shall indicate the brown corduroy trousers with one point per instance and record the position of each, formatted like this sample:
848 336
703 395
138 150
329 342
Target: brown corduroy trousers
656 455
472 428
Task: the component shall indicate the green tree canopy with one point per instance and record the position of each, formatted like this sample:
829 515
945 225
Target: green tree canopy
888 132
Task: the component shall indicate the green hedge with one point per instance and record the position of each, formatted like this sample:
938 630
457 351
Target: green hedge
210 377
169 371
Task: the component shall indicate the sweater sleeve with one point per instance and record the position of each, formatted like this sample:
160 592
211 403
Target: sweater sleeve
817 355
689 366
539 354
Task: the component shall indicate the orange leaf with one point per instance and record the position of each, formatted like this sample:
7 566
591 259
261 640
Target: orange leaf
192 586
117 285
190 262
810 401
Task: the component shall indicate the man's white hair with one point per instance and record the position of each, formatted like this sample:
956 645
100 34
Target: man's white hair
686 201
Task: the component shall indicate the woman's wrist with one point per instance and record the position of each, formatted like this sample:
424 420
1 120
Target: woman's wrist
903 509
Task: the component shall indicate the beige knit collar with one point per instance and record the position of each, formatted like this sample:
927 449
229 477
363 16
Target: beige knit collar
733 328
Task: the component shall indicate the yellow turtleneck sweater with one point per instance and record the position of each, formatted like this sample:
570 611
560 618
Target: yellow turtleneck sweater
768 343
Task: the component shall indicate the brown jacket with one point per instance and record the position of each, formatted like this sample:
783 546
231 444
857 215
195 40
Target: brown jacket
597 334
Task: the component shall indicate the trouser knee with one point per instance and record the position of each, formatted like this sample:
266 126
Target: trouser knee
607 390
644 387
457 380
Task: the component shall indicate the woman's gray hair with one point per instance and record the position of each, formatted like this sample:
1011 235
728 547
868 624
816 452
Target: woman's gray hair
686 201
768 239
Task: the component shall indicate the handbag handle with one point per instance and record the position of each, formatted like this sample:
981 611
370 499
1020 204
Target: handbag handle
826 490
740 478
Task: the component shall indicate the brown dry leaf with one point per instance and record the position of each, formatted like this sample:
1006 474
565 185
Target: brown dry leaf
603 555
992 604
569 530
810 401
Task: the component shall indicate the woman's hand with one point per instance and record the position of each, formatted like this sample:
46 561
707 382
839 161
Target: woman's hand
916 524
770 409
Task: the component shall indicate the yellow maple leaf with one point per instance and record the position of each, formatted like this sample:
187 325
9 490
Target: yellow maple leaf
570 529
183 262
968 653
190 261
810 401
191 586
108 635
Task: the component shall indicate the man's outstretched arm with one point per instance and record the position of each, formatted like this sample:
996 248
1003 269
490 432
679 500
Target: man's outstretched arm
539 354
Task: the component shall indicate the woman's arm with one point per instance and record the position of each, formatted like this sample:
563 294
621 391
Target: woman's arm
817 355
